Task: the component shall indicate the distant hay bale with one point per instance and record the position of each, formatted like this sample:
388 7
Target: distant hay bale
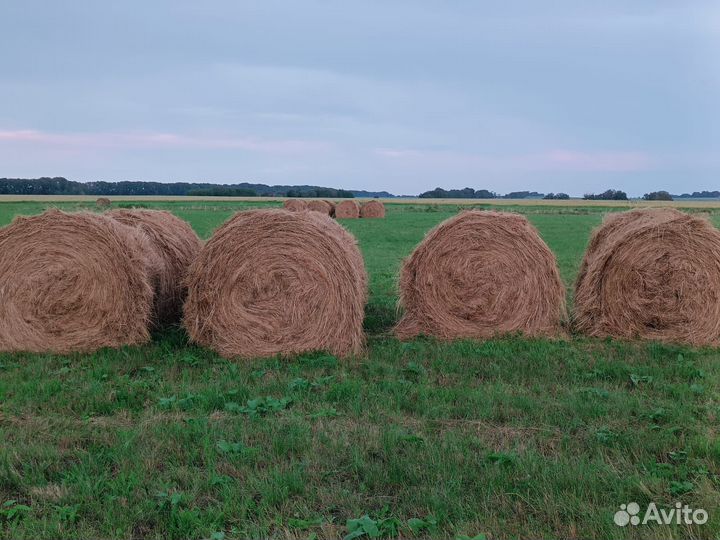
177 246
347 209
372 209
323 207
273 282
651 274
74 282
478 275
295 205
103 202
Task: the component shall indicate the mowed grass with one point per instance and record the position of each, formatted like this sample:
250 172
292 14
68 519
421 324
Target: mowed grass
508 438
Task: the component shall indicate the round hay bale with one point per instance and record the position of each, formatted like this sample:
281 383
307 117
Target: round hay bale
177 246
347 209
332 208
273 282
480 274
372 209
651 274
73 282
295 205
103 202
323 207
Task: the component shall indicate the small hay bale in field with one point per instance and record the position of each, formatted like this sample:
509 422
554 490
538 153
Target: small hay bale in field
177 246
272 282
103 202
372 209
295 205
481 274
74 282
651 274
323 207
347 209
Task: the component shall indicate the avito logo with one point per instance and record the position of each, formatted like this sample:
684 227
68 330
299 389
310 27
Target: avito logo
629 514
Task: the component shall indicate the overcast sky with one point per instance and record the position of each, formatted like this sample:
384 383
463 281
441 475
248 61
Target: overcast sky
404 96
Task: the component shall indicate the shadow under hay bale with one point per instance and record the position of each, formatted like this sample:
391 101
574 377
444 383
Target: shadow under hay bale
177 245
295 205
480 274
347 209
651 274
273 282
323 207
74 283
372 209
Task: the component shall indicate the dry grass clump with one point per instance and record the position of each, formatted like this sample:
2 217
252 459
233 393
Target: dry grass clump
74 282
295 205
347 209
372 209
480 274
651 274
323 207
273 282
103 202
177 245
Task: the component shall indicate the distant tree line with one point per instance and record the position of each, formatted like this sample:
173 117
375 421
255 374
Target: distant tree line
658 196
523 195
63 186
466 193
609 195
470 193
700 195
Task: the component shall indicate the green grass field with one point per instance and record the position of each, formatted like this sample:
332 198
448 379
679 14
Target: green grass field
508 438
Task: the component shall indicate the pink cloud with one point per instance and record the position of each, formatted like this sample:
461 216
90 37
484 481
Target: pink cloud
160 140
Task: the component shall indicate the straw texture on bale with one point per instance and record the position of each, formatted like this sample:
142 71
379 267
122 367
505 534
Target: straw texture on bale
103 202
372 209
177 245
323 207
480 274
295 205
74 282
273 282
347 209
651 274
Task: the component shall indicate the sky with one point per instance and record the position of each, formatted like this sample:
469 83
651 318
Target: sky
571 96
